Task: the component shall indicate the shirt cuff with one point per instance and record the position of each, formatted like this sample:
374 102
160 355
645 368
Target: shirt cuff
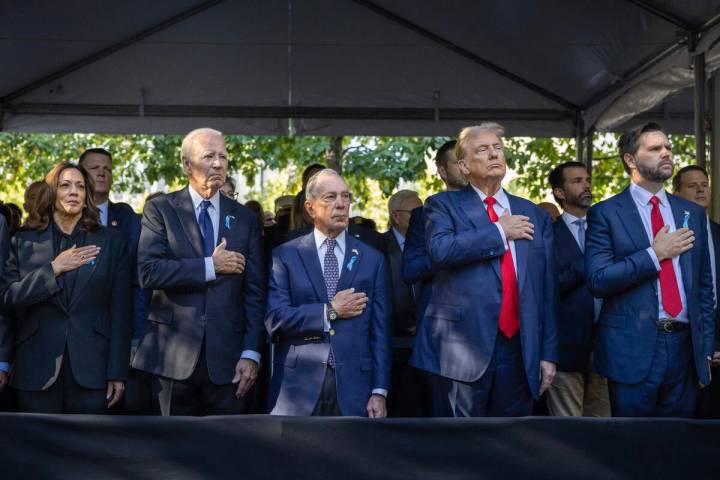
209 270
654 258
4 366
251 355
326 322
506 245
380 391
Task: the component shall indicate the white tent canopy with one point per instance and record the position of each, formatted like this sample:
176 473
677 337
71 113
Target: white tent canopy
360 67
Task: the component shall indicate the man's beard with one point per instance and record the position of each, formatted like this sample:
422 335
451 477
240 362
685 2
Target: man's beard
652 174
456 183
579 201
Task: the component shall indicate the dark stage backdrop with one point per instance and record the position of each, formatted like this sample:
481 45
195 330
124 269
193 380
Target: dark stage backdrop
265 447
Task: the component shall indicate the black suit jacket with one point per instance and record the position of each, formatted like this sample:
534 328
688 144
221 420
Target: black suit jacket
715 232
94 325
576 305
122 218
416 266
227 313
403 301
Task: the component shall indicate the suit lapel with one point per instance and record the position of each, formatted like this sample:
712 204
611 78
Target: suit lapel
186 214
565 238
473 207
685 265
350 265
629 216
309 256
521 246
86 272
228 217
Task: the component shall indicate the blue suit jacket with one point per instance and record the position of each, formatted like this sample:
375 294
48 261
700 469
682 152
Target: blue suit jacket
361 345
417 268
122 218
456 339
715 229
622 273
226 314
576 306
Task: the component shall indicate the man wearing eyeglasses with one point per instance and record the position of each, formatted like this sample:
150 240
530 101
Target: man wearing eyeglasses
228 189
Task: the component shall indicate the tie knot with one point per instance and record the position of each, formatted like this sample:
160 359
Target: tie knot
331 242
580 222
654 200
490 201
205 204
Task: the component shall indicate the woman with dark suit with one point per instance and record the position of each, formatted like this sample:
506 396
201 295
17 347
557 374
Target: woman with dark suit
67 282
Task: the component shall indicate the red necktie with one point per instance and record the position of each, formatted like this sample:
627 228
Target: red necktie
668 282
509 322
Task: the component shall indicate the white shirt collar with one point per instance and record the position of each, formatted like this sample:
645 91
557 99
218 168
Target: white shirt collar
320 239
103 206
570 219
643 197
500 196
197 199
399 237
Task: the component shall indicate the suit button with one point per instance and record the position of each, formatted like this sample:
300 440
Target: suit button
331 332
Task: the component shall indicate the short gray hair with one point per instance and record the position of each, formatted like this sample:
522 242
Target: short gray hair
187 143
399 197
312 183
469 132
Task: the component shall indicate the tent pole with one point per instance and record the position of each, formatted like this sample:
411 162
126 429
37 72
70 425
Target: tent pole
579 136
699 72
589 150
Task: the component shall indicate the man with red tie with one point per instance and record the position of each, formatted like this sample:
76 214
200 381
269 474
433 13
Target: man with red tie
647 257
489 332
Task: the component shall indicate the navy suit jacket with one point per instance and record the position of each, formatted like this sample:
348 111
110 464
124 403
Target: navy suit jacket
122 218
576 306
715 231
621 272
185 310
361 345
417 268
456 339
6 336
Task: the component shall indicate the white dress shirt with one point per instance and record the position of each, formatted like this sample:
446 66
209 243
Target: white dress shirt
399 237
574 228
339 252
214 212
502 205
103 209
642 201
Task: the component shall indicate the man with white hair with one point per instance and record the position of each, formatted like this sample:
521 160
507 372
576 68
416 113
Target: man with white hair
489 334
201 254
328 310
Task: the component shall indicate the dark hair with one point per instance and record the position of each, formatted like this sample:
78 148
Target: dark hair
677 179
629 142
441 158
99 150
229 179
257 208
16 216
557 177
309 171
90 219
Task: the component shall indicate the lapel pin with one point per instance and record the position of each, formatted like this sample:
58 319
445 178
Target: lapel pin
227 221
114 223
686 219
353 259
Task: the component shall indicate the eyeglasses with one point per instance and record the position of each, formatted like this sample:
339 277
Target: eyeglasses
233 195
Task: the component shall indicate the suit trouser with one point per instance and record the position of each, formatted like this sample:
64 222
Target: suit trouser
196 395
669 390
578 394
709 398
66 395
502 391
410 393
327 404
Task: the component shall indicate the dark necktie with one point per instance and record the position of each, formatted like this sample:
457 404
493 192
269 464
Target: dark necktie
509 322
668 282
331 272
206 227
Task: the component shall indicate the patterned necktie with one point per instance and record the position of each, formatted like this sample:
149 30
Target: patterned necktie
331 272
668 282
509 322
206 227
581 233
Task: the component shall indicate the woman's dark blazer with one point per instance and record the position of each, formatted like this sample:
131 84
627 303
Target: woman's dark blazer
95 324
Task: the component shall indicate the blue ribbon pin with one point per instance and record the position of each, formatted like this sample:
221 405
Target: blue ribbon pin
227 221
686 218
353 259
